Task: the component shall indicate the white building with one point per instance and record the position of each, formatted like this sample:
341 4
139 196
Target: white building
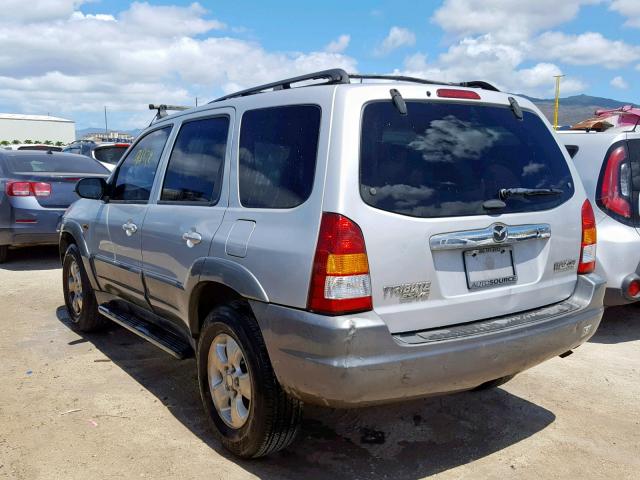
36 127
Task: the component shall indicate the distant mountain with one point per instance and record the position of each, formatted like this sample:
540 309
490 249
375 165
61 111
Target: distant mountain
86 131
575 108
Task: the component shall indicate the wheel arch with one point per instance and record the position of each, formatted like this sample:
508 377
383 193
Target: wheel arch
220 281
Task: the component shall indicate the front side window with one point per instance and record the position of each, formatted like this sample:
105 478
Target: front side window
195 168
278 151
448 159
135 176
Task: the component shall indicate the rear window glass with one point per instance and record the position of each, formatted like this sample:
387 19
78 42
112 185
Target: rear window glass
278 150
447 159
111 155
54 163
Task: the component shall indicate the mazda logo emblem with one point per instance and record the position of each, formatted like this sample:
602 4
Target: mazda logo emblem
499 233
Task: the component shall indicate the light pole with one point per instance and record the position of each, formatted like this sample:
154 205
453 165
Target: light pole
557 103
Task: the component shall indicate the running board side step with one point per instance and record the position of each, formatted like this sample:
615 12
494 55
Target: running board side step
160 337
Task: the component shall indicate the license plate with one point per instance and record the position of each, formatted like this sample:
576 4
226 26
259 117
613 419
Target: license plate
489 267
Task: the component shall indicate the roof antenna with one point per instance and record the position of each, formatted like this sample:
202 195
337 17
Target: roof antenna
398 101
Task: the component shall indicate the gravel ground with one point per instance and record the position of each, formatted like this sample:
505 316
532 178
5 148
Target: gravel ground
111 405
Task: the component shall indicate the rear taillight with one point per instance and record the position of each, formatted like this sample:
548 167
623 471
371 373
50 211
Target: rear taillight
41 189
589 240
340 281
28 189
614 194
455 93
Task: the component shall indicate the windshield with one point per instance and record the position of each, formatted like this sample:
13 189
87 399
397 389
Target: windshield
448 159
111 155
53 163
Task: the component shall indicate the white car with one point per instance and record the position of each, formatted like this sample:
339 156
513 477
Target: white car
609 164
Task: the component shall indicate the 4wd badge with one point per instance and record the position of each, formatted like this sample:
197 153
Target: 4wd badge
408 292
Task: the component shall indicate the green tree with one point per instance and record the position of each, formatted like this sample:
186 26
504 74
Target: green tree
16 142
37 141
4 142
59 144
28 141
48 142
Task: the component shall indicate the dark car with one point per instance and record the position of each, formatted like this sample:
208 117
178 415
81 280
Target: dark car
35 190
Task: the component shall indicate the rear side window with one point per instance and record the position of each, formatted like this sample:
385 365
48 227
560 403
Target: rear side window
53 163
111 155
195 168
278 151
447 159
137 171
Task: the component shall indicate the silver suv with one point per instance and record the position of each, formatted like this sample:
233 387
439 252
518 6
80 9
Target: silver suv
341 243
609 164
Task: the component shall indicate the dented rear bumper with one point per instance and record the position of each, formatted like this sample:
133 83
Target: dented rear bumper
353 360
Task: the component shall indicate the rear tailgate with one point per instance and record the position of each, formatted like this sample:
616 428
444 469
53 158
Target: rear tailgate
437 254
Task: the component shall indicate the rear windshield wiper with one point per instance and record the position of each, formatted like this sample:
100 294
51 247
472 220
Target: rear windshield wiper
505 193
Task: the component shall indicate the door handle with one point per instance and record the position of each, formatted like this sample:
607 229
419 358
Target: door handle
192 238
130 228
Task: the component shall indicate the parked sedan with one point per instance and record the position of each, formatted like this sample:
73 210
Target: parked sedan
35 190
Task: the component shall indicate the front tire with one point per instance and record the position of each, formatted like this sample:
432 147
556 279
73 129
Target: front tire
4 252
247 409
79 297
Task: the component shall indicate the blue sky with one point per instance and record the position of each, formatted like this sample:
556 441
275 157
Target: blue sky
72 57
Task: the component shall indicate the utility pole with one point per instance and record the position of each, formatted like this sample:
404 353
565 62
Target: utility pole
557 104
106 125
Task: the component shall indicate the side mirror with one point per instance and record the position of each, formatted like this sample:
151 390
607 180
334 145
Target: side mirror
93 188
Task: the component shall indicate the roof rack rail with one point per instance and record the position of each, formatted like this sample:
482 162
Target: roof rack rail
163 109
397 78
337 76
479 84
333 76
402 78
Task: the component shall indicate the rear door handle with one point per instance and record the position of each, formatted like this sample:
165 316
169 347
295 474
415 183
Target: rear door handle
192 238
130 228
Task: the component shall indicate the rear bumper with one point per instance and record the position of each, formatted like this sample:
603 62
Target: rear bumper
354 361
42 232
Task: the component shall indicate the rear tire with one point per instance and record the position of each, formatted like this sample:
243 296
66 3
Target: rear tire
79 296
266 419
4 252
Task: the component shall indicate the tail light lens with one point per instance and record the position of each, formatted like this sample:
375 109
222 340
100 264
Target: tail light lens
340 281
589 240
614 194
41 189
28 189
18 189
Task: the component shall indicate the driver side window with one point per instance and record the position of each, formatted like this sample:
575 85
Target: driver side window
136 174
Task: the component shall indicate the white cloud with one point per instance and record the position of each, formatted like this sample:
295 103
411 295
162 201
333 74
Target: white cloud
146 54
38 10
168 20
508 20
338 45
397 37
588 48
629 9
483 58
619 82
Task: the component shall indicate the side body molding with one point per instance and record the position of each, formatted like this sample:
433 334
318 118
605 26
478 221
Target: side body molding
233 275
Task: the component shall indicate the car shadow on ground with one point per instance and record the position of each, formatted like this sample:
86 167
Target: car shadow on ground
405 441
32 258
619 325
